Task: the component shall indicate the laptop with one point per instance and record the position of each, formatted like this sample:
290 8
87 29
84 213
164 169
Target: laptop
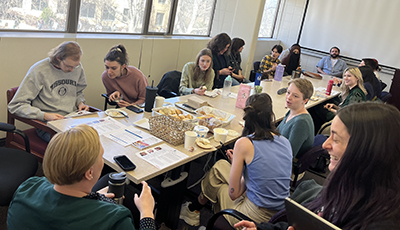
303 219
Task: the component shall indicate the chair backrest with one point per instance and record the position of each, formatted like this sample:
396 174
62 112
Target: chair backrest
169 84
10 93
256 65
370 91
309 157
395 89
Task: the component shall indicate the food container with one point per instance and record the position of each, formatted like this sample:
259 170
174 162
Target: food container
209 112
172 111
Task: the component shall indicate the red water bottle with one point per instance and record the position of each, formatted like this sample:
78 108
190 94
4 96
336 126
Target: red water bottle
329 87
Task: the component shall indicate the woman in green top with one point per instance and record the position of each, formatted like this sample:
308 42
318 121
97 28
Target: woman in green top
352 90
197 77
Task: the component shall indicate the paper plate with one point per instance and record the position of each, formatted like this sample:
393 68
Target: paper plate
115 113
203 146
143 123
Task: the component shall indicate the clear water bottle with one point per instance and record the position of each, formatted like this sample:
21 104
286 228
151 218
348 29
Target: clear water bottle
227 87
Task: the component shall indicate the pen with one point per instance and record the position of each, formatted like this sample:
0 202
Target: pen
118 139
123 114
133 133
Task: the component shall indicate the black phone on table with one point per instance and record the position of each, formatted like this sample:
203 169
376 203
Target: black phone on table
134 109
124 162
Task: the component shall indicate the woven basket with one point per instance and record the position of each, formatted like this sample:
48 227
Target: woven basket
169 129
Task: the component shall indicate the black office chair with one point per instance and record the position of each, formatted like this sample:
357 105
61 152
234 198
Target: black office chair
107 102
217 221
15 166
253 73
169 84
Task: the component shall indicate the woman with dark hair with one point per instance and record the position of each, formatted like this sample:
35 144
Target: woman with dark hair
197 77
219 45
243 185
373 63
292 60
235 60
270 62
362 190
126 85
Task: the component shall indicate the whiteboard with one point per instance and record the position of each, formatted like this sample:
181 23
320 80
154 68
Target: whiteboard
360 28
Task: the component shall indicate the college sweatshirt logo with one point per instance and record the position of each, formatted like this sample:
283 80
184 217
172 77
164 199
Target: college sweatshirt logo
62 90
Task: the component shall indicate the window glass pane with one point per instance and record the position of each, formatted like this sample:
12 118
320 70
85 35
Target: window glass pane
34 14
193 17
268 19
116 16
159 16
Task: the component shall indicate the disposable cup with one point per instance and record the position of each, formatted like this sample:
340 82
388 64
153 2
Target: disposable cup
159 102
190 139
220 134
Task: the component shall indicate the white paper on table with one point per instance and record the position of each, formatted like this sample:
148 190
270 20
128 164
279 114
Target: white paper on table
131 135
321 92
104 125
162 156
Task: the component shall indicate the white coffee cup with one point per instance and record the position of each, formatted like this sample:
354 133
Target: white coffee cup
190 139
159 102
220 134
201 130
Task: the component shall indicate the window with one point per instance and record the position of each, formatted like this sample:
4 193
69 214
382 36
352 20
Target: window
88 10
35 15
169 17
38 4
117 16
108 14
269 17
16 3
159 19
159 11
194 17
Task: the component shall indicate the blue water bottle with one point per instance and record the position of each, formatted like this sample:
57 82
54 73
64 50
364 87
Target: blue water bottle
258 78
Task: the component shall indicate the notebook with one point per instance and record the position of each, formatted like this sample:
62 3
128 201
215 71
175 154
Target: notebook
303 219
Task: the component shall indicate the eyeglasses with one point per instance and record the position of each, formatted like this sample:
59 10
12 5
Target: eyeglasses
69 66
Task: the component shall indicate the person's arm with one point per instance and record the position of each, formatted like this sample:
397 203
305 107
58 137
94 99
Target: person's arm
243 148
263 64
320 65
20 105
184 88
145 202
297 136
81 85
210 83
141 88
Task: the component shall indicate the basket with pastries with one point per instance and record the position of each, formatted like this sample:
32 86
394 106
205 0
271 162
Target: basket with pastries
173 112
169 128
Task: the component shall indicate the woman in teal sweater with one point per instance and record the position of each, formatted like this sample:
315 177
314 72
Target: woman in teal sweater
298 126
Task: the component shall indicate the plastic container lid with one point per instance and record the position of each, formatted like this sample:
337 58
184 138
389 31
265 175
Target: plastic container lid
228 78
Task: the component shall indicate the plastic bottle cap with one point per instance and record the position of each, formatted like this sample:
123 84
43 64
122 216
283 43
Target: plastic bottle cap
228 78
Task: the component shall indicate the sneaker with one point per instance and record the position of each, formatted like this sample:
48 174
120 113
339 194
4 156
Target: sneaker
191 218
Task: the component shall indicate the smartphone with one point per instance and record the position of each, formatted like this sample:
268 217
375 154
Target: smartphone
124 162
134 109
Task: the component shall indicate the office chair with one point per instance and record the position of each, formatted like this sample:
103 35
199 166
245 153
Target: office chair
169 84
37 145
15 165
107 102
253 73
218 222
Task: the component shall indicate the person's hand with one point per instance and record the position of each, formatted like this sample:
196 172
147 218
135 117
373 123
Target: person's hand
52 116
331 107
273 68
291 228
337 81
145 203
200 91
114 96
247 225
225 71
105 192
229 154
123 103
83 106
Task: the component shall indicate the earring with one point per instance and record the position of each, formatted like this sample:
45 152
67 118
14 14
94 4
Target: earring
91 177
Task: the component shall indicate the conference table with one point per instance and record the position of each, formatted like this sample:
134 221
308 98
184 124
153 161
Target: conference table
144 170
